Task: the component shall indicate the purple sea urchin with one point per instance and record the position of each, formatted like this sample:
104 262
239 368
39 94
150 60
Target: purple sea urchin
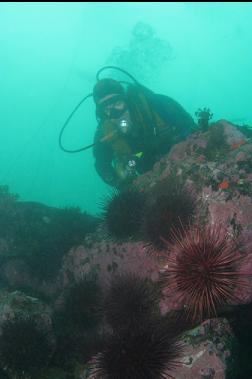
77 323
82 304
122 214
149 352
173 206
130 301
24 348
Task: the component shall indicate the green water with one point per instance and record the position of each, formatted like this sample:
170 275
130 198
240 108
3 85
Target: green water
50 53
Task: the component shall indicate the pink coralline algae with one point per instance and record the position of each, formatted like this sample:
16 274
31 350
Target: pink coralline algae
204 357
107 259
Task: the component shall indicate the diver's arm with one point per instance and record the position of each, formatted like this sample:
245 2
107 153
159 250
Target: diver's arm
175 115
106 172
103 160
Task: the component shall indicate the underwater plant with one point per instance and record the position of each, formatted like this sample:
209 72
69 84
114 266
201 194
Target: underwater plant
131 300
122 214
150 351
173 207
204 269
24 348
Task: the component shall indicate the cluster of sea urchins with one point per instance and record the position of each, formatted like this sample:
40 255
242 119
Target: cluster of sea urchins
204 268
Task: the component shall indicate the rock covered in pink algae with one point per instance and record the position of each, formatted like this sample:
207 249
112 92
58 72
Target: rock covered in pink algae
107 259
222 148
207 351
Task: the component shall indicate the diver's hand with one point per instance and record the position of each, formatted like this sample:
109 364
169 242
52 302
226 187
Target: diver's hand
121 179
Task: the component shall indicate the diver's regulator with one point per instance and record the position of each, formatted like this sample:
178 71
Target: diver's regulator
124 124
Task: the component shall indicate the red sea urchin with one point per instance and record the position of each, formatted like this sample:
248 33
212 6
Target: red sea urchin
204 268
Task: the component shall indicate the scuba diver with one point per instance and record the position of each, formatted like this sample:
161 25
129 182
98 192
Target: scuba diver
137 127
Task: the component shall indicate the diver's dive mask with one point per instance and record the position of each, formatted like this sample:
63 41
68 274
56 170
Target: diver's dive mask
116 110
113 107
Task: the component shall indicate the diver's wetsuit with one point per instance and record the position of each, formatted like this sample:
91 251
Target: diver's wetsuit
179 125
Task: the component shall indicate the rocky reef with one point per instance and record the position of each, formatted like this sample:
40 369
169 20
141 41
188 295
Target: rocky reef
200 256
